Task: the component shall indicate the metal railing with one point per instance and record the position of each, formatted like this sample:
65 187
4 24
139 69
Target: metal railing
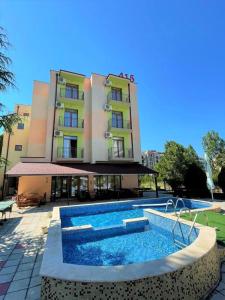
70 152
72 94
71 122
120 124
118 97
115 153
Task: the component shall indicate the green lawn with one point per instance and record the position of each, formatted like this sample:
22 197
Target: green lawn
215 220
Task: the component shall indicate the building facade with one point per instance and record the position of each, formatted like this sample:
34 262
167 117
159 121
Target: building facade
150 158
90 125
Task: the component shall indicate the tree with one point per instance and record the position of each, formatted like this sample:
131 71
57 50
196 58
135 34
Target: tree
214 147
221 179
195 181
174 163
7 79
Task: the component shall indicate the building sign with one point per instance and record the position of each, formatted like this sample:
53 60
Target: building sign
131 77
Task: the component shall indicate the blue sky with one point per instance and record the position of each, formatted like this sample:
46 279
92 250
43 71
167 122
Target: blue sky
175 49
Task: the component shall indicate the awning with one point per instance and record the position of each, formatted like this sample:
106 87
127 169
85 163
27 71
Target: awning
35 169
79 169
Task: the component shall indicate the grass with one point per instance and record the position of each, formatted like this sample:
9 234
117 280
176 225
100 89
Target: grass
214 220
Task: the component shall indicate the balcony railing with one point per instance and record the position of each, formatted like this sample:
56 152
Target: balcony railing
71 122
116 153
119 124
72 95
118 97
70 153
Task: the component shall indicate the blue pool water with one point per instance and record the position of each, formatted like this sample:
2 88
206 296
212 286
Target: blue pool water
111 242
124 249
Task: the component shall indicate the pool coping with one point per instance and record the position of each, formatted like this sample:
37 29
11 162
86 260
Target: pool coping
54 267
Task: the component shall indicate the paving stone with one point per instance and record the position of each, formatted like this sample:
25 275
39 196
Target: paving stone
35 281
10 263
36 272
22 275
6 277
15 256
217 296
34 293
3 257
223 268
8 270
19 295
27 266
28 259
18 285
2 297
221 286
4 287
18 251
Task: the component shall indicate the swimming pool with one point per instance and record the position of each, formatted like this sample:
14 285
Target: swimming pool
127 251
108 214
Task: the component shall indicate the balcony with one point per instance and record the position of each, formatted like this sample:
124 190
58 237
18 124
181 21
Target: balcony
69 153
117 125
71 123
119 99
120 155
75 95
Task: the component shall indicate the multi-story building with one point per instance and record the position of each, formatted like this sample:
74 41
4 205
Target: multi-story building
79 134
150 158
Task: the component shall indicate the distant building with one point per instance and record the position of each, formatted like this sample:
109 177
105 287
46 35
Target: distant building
150 158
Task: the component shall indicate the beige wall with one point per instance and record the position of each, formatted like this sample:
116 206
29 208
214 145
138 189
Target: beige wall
35 184
129 181
38 127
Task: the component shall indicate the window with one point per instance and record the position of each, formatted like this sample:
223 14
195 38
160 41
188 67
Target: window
117 119
71 118
118 147
72 91
70 147
20 126
110 182
18 147
117 94
26 114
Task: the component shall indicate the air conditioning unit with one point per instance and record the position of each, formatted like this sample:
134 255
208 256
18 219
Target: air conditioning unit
59 105
108 82
58 133
108 135
61 80
107 107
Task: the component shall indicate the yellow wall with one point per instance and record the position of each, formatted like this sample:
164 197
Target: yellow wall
35 184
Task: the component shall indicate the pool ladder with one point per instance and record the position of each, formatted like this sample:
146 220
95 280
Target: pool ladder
171 202
183 244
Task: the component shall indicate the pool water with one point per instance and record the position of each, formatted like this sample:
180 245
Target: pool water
135 247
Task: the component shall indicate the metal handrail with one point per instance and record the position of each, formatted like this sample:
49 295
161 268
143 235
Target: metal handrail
120 124
194 222
75 95
71 122
70 152
119 97
178 222
115 153
169 202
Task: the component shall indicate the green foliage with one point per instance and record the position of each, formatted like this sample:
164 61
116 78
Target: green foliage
214 147
221 179
7 78
174 163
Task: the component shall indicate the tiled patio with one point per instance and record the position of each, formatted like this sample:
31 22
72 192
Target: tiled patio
21 250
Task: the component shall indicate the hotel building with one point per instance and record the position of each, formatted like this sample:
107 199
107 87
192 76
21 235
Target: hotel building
80 135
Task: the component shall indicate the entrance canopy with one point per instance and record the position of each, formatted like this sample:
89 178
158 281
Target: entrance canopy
37 169
82 169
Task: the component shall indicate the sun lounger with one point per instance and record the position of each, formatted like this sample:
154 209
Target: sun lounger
5 206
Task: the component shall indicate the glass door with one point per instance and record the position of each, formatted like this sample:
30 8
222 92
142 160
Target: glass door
70 147
71 118
118 147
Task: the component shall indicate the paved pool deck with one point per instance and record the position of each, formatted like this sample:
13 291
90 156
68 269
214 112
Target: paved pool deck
21 250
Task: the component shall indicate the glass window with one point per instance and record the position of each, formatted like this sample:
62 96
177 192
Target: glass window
20 126
72 91
71 118
117 119
26 114
118 147
83 183
100 183
116 94
18 147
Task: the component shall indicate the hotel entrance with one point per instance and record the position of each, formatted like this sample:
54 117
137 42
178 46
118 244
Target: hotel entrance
67 187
